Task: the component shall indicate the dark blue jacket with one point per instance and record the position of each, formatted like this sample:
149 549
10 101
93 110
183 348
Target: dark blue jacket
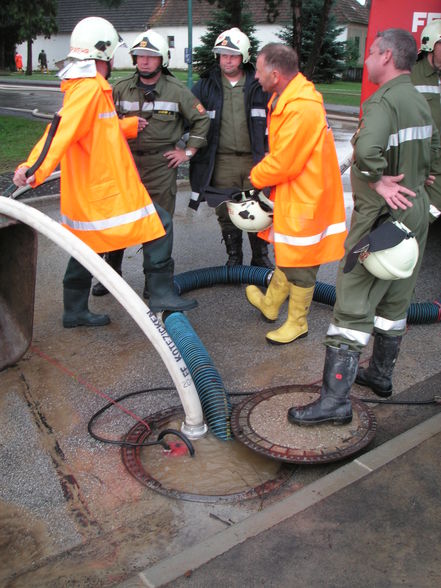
209 91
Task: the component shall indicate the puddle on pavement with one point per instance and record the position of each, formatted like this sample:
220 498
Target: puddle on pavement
217 468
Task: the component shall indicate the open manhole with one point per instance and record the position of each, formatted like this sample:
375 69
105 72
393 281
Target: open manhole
261 423
220 471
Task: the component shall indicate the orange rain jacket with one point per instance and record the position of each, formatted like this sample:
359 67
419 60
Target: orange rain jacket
309 215
103 201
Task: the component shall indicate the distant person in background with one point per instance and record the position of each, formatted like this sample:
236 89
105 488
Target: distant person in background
18 62
42 60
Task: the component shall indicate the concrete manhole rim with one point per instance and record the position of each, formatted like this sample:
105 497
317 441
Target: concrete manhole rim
243 432
132 461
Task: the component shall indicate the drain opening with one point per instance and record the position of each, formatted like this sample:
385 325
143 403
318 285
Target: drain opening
219 471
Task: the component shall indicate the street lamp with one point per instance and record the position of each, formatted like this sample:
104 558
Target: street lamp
190 44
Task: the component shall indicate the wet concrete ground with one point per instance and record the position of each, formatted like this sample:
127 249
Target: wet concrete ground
70 512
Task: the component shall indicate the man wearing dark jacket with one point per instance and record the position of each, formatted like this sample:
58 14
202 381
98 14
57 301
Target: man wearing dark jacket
236 105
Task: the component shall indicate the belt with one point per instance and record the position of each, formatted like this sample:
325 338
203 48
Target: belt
153 151
236 153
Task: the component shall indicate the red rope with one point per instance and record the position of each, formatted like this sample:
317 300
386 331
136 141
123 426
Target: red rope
65 370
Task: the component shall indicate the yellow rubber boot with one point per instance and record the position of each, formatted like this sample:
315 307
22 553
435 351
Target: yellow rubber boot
269 303
296 325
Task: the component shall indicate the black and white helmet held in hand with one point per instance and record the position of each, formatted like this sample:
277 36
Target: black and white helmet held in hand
253 213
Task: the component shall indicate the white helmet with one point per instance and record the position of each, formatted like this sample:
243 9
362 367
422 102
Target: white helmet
430 36
94 38
233 42
253 213
395 263
151 43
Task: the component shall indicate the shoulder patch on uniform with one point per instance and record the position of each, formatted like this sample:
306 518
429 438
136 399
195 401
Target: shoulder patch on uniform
200 108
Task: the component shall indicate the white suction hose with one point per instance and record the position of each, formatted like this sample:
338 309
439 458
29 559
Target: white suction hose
193 426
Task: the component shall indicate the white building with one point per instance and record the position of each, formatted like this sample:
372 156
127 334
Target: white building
170 19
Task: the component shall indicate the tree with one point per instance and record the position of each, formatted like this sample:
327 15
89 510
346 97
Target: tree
352 52
233 8
319 37
317 31
223 18
25 20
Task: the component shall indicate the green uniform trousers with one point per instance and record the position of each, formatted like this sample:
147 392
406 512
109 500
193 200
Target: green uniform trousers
231 171
158 179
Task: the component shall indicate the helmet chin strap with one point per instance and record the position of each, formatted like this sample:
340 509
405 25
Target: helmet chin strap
109 70
151 74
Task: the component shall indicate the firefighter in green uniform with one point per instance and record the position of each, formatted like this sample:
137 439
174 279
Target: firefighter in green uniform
237 139
153 93
425 77
393 148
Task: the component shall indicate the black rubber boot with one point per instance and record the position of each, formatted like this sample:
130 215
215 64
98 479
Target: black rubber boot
76 310
259 251
378 375
114 259
334 403
163 295
233 245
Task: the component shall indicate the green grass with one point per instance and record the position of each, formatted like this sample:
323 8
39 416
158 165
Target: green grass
18 135
344 93
117 74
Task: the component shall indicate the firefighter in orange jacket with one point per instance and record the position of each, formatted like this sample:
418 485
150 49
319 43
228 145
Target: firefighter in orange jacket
309 216
102 201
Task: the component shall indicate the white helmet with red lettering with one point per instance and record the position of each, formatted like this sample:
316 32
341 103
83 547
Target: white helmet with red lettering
94 38
233 42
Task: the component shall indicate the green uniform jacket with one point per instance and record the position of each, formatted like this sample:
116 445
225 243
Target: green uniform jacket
173 107
426 80
396 135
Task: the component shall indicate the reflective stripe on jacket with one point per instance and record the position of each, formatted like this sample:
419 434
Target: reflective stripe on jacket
173 109
102 200
426 81
302 168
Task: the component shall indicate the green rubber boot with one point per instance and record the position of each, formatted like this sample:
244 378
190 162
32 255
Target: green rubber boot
163 296
76 310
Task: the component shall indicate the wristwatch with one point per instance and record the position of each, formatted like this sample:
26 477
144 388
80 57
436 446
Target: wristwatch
189 153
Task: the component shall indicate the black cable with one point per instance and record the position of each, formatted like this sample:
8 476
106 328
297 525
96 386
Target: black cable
434 400
159 441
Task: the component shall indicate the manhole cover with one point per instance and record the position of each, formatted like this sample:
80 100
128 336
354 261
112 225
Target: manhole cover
261 423
220 471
